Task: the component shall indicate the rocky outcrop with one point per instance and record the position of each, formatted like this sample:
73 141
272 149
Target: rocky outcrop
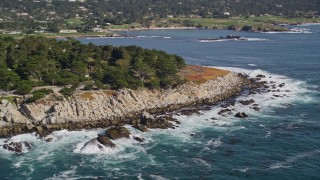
111 108
9 114
241 115
105 141
17 147
117 132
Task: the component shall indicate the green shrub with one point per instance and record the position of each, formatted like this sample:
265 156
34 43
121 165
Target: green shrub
36 96
67 91
23 88
88 87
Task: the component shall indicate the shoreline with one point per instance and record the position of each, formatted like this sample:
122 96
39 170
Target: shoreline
45 118
239 28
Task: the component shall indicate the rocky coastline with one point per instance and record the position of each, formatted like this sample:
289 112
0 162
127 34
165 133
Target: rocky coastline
104 109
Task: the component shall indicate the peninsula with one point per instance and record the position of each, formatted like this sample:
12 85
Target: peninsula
69 85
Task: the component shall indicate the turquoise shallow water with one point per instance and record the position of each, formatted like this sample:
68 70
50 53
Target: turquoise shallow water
280 142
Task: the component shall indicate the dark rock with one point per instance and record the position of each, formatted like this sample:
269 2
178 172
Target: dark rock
241 115
223 111
105 141
161 123
189 112
234 141
92 142
260 76
277 95
247 102
138 139
135 121
17 147
282 85
256 108
39 128
141 127
117 132
192 134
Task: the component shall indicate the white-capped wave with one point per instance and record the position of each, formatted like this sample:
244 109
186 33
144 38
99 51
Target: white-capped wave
288 161
252 65
256 39
291 31
309 24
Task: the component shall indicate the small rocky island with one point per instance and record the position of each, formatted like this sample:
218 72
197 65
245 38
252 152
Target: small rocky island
226 38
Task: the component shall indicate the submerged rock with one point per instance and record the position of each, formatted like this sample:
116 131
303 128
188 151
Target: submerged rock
223 111
256 108
93 143
117 132
17 147
138 139
247 102
260 76
241 115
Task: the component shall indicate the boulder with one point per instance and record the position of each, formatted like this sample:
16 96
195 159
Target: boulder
138 139
256 108
105 141
146 115
223 111
260 76
17 147
189 112
4 102
241 115
247 102
93 143
117 132
161 123
141 127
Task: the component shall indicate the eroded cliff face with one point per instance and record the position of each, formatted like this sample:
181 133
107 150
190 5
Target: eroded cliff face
108 105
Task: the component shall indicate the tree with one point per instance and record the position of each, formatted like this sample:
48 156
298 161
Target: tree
8 79
23 88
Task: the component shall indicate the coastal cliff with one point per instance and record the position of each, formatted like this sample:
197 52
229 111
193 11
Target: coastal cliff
104 108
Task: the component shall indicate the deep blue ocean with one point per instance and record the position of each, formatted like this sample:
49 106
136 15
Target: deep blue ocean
282 141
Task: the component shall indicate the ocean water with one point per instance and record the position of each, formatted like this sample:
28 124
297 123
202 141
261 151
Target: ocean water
279 142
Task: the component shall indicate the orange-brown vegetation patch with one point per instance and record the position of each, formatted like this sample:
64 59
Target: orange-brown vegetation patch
87 95
110 93
200 74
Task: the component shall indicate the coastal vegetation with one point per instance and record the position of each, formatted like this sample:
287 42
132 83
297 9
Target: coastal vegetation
88 16
37 61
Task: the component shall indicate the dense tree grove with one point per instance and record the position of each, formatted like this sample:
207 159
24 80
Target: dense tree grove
38 61
30 14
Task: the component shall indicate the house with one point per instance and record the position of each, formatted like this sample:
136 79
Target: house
68 31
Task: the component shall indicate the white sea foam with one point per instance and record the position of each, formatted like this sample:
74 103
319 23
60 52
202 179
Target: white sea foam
157 177
253 65
309 24
288 90
256 39
215 142
291 31
224 40
292 159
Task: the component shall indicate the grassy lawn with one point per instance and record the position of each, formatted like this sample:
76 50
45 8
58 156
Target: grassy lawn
123 26
262 21
53 35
